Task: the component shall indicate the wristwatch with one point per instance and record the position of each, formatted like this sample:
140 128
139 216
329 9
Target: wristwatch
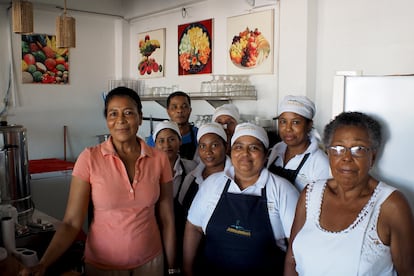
172 271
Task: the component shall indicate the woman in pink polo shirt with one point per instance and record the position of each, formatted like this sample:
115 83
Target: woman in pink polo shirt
130 185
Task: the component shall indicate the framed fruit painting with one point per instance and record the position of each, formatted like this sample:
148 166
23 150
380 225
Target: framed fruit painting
151 54
43 62
195 47
250 42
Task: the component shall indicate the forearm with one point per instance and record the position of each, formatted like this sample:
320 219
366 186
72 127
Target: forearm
169 242
192 239
165 217
290 266
61 241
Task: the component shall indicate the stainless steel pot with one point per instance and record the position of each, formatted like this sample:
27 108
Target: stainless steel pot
14 171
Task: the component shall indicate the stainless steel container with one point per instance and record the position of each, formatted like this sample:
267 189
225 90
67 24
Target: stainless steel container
14 171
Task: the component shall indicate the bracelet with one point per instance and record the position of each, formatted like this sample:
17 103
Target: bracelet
172 271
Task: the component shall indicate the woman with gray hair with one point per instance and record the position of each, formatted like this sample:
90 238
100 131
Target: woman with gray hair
351 224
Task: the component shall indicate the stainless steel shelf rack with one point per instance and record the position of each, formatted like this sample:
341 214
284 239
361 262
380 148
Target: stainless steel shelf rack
214 99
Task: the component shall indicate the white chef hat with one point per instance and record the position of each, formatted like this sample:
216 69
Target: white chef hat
301 105
212 127
226 109
249 129
163 125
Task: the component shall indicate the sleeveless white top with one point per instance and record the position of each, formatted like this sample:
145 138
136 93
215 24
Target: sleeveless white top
356 250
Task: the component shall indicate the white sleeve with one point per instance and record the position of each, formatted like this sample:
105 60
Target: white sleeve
195 213
205 201
282 200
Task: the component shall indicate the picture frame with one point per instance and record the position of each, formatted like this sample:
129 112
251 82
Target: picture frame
42 62
151 54
250 40
195 48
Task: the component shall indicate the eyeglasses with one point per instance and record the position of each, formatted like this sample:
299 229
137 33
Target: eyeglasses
356 151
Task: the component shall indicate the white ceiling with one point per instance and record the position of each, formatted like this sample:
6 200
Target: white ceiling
125 8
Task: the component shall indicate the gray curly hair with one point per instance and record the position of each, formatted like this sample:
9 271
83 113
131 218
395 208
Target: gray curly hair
358 119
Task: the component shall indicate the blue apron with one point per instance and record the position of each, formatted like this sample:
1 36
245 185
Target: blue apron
188 150
239 239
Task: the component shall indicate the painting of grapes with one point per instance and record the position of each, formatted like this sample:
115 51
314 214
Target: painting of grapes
250 40
151 48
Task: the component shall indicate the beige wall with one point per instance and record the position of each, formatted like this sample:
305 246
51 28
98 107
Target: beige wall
45 109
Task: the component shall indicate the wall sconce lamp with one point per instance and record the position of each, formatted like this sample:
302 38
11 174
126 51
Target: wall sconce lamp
22 17
65 31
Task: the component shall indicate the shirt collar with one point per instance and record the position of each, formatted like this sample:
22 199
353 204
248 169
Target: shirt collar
107 148
178 169
261 181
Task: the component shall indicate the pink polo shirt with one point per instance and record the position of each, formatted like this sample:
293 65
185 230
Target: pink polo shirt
124 233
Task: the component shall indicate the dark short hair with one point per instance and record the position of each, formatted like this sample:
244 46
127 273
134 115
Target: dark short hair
178 94
122 91
358 119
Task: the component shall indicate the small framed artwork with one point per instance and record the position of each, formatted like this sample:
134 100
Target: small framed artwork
151 54
250 40
43 62
195 48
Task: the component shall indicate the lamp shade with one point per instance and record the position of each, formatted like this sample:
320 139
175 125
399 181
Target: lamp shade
65 31
22 17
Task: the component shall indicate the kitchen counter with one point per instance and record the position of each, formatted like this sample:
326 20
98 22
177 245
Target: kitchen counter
38 241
